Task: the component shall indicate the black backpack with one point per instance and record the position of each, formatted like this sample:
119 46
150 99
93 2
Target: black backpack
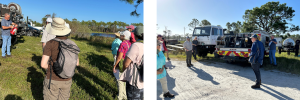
140 69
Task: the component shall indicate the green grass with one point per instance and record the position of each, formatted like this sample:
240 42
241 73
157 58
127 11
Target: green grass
21 76
285 63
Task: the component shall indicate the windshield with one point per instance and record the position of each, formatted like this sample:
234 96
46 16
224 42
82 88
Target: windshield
202 31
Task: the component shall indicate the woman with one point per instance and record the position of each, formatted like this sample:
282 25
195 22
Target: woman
124 47
161 72
115 46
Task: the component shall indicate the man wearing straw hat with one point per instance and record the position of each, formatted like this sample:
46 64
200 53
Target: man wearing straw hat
59 89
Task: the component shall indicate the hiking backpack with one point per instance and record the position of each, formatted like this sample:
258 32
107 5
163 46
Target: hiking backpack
66 61
140 70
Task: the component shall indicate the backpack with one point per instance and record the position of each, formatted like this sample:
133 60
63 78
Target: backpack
66 61
140 69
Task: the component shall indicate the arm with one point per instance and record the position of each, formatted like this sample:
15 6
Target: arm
44 62
126 63
253 49
274 41
159 71
7 27
43 44
16 25
77 62
120 55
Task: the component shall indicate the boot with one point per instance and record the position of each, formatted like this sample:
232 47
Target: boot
255 86
168 95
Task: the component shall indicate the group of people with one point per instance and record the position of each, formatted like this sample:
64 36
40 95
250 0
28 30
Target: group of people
161 66
190 49
128 52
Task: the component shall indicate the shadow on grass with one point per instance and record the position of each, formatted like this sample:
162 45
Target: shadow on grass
97 44
36 80
100 61
12 97
89 88
37 60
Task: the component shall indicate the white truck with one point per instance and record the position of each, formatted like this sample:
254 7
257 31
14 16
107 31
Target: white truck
207 37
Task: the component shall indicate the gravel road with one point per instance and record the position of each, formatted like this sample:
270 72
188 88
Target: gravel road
222 81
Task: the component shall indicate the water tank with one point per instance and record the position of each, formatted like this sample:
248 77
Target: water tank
288 42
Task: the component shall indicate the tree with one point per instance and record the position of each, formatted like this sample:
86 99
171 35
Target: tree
204 22
271 17
138 2
193 24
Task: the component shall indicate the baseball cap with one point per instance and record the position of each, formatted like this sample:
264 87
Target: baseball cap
139 30
49 19
254 36
130 26
127 34
159 36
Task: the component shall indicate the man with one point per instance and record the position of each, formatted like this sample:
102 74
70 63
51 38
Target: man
272 51
163 47
59 87
46 36
130 29
133 77
256 57
6 38
195 42
188 51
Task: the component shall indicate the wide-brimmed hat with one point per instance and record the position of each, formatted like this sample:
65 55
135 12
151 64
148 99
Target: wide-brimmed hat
130 26
58 27
117 34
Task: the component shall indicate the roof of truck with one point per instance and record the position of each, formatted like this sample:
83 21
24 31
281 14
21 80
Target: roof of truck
209 26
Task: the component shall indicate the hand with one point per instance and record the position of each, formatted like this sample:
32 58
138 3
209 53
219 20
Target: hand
114 70
11 26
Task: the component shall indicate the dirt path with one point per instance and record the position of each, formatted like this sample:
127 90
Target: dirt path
227 81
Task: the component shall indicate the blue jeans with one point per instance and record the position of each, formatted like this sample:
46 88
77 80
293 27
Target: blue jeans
272 56
6 45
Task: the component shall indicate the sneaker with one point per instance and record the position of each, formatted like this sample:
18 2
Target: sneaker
169 58
255 86
188 65
3 56
168 95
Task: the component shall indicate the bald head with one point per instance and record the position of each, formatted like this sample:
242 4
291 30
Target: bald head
6 16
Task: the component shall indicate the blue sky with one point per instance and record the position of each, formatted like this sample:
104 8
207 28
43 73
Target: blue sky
177 14
99 10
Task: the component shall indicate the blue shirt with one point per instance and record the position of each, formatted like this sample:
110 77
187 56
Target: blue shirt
161 61
5 22
254 50
115 46
273 45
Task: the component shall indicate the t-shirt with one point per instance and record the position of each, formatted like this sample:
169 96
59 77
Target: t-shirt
161 61
47 36
273 45
195 42
188 45
135 54
51 49
7 23
124 46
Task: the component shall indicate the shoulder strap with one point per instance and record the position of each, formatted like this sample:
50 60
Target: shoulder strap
127 44
134 81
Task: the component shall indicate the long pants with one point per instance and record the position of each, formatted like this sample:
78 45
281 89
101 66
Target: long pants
115 58
188 57
134 93
272 56
255 68
59 90
195 52
164 85
6 45
121 85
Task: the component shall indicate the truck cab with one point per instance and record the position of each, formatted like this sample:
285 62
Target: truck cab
207 37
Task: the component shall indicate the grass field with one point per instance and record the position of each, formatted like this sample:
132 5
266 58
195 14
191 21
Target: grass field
286 63
22 77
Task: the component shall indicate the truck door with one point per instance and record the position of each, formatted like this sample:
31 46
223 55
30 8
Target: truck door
214 36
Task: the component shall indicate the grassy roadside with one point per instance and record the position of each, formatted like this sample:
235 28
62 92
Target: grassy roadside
285 63
21 76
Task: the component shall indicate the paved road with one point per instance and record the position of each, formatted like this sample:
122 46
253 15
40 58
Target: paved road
224 81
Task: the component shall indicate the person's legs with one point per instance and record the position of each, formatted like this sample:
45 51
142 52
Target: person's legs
187 62
164 85
255 68
270 56
8 45
195 53
122 89
273 56
133 93
115 58
4 44
190 57
64 89
53 92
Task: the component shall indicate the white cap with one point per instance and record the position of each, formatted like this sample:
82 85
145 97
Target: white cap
67 25
127 34
49 19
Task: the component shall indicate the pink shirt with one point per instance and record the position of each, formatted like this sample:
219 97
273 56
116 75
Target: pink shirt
124 46
135 54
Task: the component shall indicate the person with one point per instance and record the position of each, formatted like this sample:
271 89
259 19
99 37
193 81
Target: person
188 51
6 37
134 90
130 29
272 44
161 72
165 47
60 87
121 54
256 57
195 43
46 36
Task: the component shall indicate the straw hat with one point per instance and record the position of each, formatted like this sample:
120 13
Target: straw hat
117 34
58 27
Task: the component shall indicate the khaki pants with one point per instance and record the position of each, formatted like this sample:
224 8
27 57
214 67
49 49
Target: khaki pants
164 85
59 90
115 58
122 89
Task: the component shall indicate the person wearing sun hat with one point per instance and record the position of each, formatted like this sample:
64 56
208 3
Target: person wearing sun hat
60 87
130 28
255 58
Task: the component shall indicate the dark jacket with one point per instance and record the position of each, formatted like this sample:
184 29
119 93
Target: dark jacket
256 56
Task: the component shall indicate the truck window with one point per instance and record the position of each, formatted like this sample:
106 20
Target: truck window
202 31
214 31
220 32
